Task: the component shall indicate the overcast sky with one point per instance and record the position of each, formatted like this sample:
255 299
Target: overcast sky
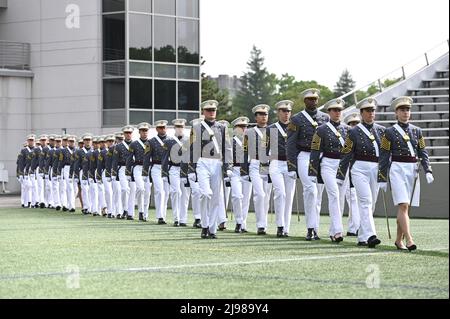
317 40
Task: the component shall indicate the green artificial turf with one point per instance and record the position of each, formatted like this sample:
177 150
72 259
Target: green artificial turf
46 254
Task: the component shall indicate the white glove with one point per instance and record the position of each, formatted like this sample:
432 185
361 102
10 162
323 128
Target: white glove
70 180
129 179
76 180
91 181
313 179
184 180
292 175
245 178
227 179
46 177
41 175
26 177
146 179
230 173
192 177
165 179
430 178
20 179
383 187
32 176
108 179
265 178
340 182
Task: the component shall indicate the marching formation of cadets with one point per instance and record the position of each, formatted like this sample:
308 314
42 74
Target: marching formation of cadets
351 160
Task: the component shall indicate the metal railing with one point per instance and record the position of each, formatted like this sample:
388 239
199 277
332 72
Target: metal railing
397 75
14 55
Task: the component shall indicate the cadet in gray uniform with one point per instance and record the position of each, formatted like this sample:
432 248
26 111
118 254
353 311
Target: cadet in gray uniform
81 171
301 130
362 152
41 174
24 165
401 147
65 162
134 165
92 155
56 178
155 151
326 148
48 172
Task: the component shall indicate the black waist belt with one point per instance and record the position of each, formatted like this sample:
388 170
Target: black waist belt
122 164
237 164
305 149
265 165
67 164
156 162
404 159
138 163
332 155
366 158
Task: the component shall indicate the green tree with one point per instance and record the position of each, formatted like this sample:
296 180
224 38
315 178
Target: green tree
344 85
211 91
257 86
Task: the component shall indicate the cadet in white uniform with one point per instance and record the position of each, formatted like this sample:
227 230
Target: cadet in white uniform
283 184
354 220
402 146
256 166
241 190
226 191
362 148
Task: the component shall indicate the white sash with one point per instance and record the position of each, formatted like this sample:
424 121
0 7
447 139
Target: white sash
159 140
142 144
406 138
70 151
29 150
178 141
213 137
310 119
85 151
260 134
238 141
281 130
126 145
372 138
339 135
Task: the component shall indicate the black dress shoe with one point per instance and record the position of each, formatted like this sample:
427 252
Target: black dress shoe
130 218
124 215
400 248
412 248
72 210
309 235
336 240
183 225
65 209
161 221
237 229
84 211
58 208
316 237
261 232
50 207
119 216
23 205
373 242
244 231
42 205
37 205
280 232
222 227
176 224
362 244
109 216
212 236
145 220
349 234
95 215
197 224
141 216
285 235
205 233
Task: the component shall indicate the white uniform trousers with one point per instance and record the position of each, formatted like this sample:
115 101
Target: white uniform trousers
85 192
184 204
196 197
225 195
143 190
209 174
148 192
70 195
365 179
48 194
132 199
34 189
312 192
161 189
101 196
124 189
93 196
261 194
107 186
117 197
62 190
175 192
336 194
402 177
354 220
283 196
55 191
40 185
240 197
22 191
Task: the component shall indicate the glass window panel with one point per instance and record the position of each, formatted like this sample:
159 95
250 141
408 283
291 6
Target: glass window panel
141 69
115 118
188 41
137 117
165 7
168 116
113 5
113 69
188 8
140 5
188 116
114 93
114 37
165 71
188 72
165 95
188 96
164 39
140 94
140 37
